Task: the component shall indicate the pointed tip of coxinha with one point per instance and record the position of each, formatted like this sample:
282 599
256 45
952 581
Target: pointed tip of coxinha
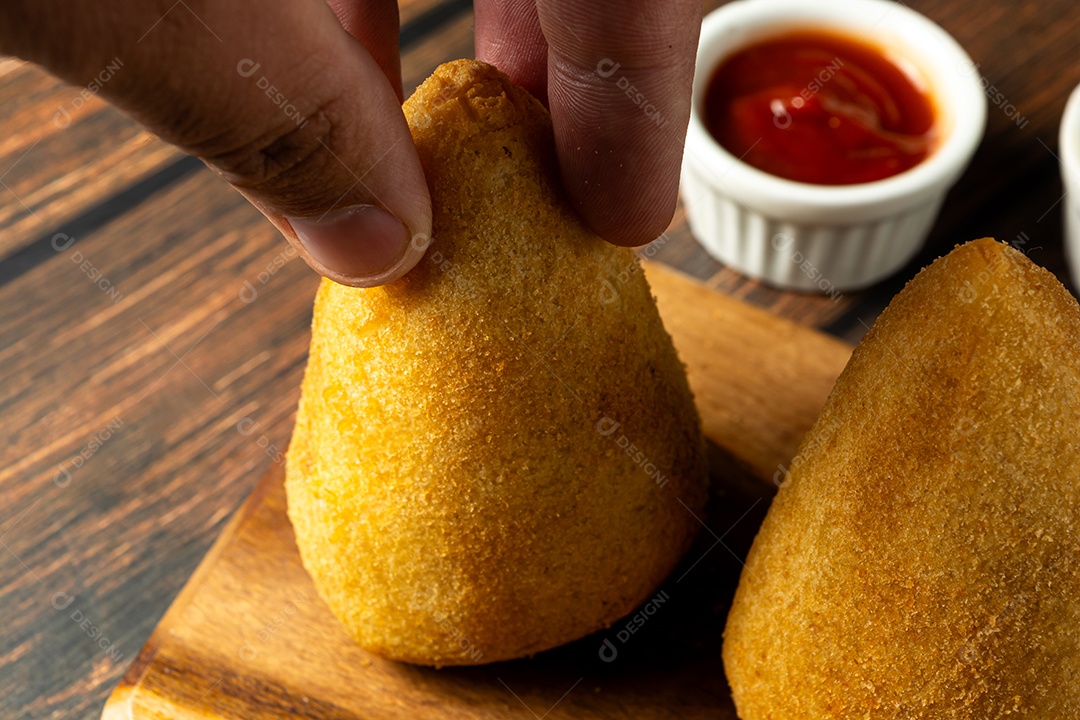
984 274
497 453
469 97
923 557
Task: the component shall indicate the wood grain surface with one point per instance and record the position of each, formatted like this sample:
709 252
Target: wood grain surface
249 639
131 358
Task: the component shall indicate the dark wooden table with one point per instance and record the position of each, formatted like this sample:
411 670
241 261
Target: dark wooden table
154 328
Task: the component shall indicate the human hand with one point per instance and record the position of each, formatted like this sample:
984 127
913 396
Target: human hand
616 75
297 105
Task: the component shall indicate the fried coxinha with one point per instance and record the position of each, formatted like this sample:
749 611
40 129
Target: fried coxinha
923 558
458 478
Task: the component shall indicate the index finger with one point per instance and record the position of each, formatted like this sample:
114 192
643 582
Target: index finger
619 79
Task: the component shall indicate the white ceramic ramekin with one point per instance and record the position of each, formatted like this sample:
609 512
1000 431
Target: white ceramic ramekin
1069 147
826 238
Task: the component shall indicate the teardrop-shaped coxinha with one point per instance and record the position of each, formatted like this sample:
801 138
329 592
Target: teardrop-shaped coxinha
498 453
922 561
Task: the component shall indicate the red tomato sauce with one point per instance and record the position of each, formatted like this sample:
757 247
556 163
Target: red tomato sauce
820 108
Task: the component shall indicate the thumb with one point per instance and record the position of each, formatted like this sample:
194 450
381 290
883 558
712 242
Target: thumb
279 100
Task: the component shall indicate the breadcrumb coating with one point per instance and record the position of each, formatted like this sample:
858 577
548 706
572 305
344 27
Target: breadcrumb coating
922 559
492 454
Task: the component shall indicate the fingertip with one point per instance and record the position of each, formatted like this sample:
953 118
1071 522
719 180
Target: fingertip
508 36
623 180
619 81
626 224
361 246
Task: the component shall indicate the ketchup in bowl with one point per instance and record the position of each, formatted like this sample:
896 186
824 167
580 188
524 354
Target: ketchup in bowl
820 108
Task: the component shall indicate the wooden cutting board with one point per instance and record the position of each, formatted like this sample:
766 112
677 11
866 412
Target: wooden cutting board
249 639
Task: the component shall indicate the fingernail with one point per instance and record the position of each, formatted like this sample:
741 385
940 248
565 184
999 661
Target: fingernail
362 246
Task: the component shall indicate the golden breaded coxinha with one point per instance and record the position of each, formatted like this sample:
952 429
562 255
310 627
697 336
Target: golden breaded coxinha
923 559
492 454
